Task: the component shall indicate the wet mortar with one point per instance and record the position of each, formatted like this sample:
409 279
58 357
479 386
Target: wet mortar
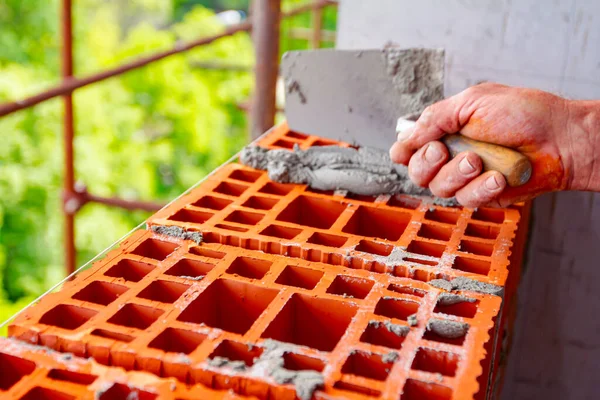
178 232
448 329
466 284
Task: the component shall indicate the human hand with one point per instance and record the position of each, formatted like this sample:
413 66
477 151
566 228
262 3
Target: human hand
554 133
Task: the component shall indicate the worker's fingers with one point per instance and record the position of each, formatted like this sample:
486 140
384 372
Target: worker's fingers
482 190
435 121
457 173
426 163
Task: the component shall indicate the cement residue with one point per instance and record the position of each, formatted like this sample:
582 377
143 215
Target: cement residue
448 299
448 329
223 362
399 255
466 284
412 320
364 171
178 232
390 357
398 330
192 278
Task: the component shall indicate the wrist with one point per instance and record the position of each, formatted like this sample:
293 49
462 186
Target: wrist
583 132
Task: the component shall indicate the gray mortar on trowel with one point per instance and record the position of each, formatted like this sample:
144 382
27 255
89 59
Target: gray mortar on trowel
178 232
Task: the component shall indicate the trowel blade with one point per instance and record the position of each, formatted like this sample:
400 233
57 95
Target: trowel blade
357 96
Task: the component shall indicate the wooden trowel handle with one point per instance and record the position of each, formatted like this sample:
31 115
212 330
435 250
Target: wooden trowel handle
515 167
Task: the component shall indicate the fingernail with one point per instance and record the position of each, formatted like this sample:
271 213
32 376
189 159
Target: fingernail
492 183
405 134
465 167
432 154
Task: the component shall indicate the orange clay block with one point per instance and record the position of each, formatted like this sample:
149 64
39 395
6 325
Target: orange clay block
294 290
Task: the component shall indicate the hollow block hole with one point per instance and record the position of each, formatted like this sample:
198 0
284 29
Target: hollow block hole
112 335
367 365
378 223
296 135
99 292
229 305
404 202
436 232
301 277
13 369
326 239
231 228
350 387
130 270
366 199
72 376
173 340
278 189
212 203
260 203
163 291
426 248
482 231
42 393
286 144
252 268
312 211
345 285
436 361
235 351
318 191
192 216
186 268
379 335
120 391
156 249
311 321
430 335
420 261
489 215
406 290
244 217
380 249
282 232
478 248
481 267
204 252
443 216
463 309
321 142
245 175
136 316
230 189
299 362
396 308
417 390
67 316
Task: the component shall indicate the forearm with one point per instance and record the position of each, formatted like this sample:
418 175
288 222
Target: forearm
584 143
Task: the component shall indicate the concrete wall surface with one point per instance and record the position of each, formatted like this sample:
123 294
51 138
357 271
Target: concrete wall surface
552 45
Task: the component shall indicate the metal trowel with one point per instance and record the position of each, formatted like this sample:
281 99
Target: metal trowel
364 96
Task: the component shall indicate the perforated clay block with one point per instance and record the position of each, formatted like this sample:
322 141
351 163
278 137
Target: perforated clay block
294 294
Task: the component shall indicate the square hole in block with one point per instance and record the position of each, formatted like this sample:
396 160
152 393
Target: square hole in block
489 215
417 390
356 389
368 365
190 269
130 270
231 228
72 376
437 232
378 223
396 308
380 249
402 201
440 362
212 203
205 252
245 175
235 351
244 217
99 292
406 290
322 142
299 362
286 144
163 291
192 216
482 231
420 261
478 248
260 203
120 391
230 189
380 335
13 369
112 335
426 248
326 239
345 285
296 135
359 197
311 321
443 216
464 309
136 316
67 316
480 267
283 232
278 189
312 211
156 249
301 277
42 393
173 340
229 305
252 268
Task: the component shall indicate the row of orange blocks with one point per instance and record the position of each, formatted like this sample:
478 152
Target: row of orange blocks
292 293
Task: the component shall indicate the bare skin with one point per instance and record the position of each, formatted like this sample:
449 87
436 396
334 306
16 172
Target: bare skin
561 138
